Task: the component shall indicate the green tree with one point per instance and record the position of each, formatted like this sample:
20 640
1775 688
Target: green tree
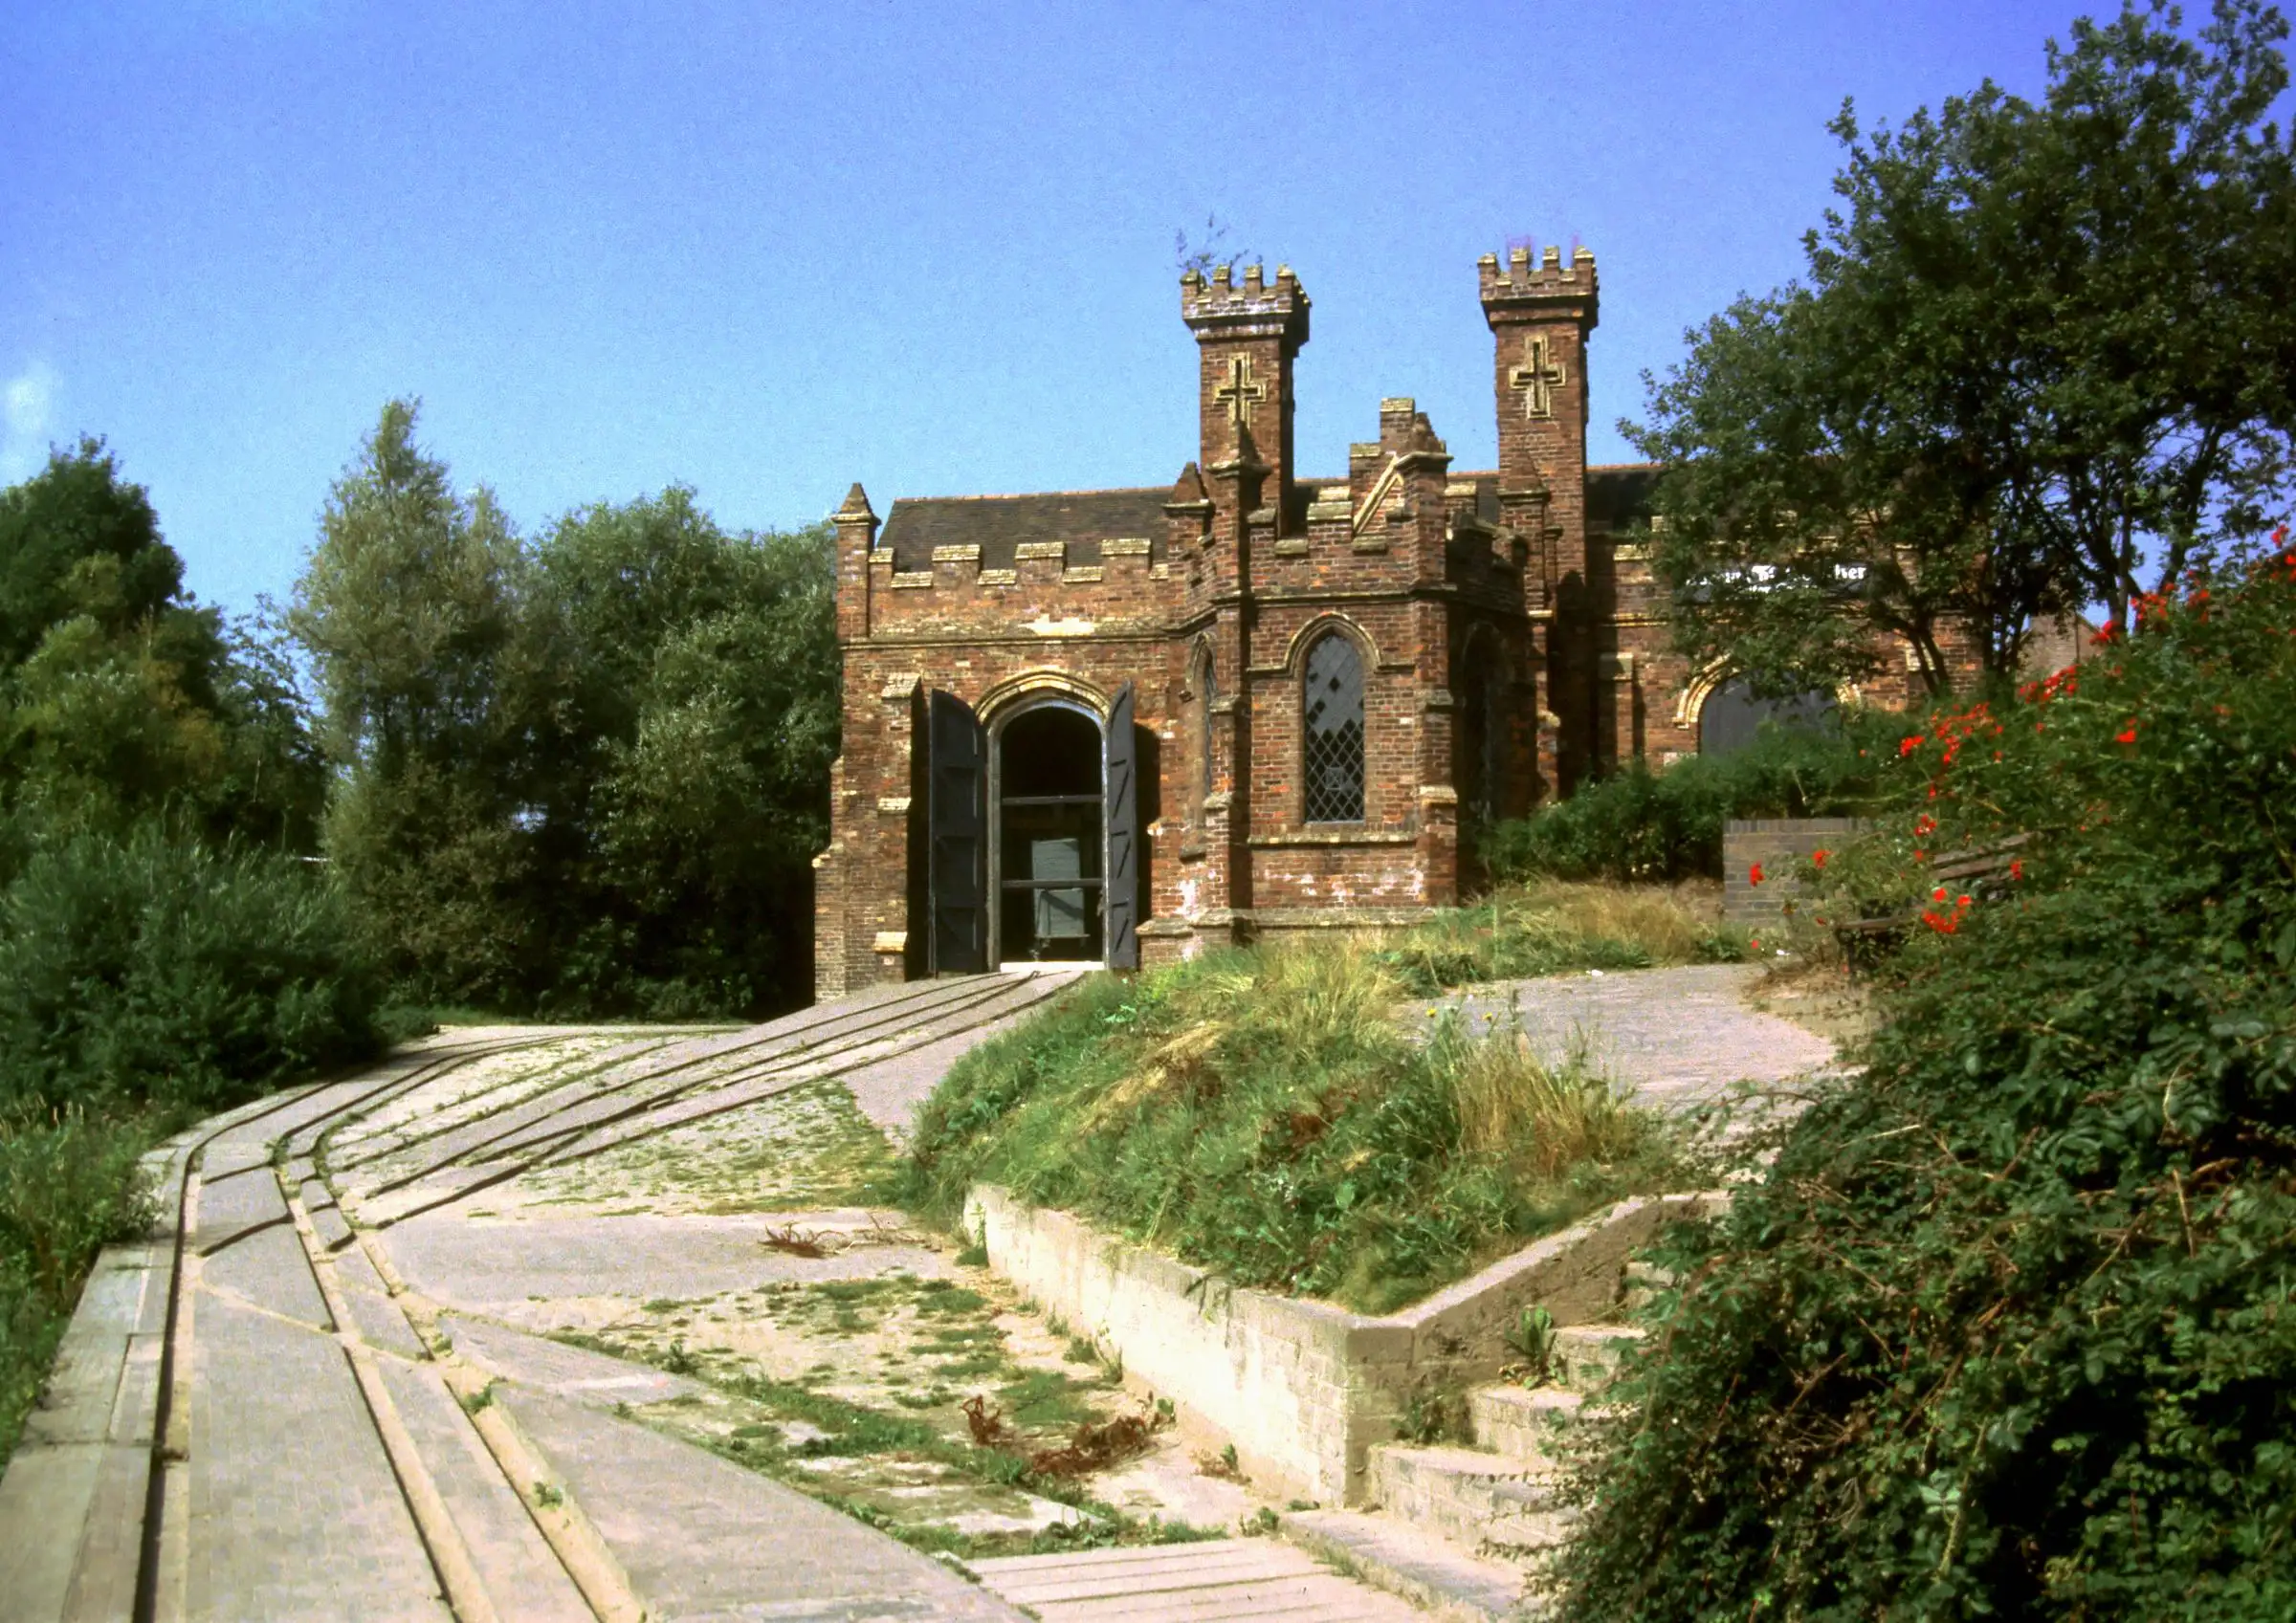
412 609
584 774
692 782
2042 350
122 700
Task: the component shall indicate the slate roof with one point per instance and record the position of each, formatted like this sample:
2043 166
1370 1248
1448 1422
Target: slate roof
997 524
1615 496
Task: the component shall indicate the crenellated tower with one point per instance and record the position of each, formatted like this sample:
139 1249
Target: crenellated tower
1540 315
1247 335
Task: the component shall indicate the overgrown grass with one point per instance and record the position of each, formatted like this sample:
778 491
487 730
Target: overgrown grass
69 1185
1267 1115
1551 927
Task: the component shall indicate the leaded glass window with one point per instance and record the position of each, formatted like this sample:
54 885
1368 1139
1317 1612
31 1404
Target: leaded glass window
1332 755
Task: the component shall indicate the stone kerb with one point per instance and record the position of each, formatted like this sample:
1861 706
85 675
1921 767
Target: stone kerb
1304 1389
74 1499
1775 844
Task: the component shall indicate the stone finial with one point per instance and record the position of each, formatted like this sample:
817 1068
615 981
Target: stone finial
856 506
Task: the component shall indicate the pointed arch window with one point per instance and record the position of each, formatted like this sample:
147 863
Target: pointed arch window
1332 732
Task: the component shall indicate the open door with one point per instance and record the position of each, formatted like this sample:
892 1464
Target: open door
1121 780
957 821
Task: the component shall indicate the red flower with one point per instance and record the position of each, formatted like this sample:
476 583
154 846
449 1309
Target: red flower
1938 895
1924 823
1961 902
1754 874
1909 746
2127 734
2017 867
1940 923
1817 859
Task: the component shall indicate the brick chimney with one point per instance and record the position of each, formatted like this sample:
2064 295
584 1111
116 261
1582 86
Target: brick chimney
1247 334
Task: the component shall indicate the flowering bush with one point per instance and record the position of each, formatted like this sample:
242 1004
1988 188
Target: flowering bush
2008 1326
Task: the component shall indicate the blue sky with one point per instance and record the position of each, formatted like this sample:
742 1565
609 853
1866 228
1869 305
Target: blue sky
769 249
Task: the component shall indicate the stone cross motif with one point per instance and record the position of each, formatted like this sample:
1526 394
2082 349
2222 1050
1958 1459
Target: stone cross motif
1538 377
1240 393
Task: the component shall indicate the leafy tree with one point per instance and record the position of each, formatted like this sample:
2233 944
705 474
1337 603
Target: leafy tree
585 773
2005 1329
2040 349
412 609
702 700
122 700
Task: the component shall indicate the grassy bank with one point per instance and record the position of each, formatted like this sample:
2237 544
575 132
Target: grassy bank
69 1186
1266 1114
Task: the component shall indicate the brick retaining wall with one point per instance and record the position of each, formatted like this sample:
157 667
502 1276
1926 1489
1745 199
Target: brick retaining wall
1775 844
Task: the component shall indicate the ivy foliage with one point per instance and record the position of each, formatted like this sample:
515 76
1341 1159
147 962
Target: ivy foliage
2006 1330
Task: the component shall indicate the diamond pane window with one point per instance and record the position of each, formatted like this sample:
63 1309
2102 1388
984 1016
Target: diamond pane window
1332 755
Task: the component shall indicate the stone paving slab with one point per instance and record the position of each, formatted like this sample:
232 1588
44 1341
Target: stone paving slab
701 1538
514 1560
236 1202
270 1269
490 1265
376 1321
890 1090
568 1372
1675 1037
45 1502
295 1510
1200 1583
1431 1572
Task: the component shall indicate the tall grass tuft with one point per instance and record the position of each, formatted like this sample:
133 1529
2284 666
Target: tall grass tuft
1554 926
1274 1116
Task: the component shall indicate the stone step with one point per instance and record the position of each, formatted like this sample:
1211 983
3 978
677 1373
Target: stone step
1492 1505
1643 1283
1522 1423
1433 1573
1587 1356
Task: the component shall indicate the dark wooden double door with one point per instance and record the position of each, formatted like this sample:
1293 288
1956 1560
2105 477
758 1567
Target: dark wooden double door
1033 854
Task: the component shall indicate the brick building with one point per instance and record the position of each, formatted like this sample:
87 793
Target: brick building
1114 725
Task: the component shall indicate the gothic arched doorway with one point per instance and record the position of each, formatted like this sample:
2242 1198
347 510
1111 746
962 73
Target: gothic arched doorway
1731 714
1049 851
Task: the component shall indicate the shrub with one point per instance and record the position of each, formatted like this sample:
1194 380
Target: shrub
1268 1115
2006 1330
69 1185
155 970
1640 826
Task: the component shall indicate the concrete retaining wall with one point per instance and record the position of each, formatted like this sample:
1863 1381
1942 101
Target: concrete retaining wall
1777 844
1303 1388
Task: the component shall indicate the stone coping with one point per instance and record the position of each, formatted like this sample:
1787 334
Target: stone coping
1303 1388
73 1500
